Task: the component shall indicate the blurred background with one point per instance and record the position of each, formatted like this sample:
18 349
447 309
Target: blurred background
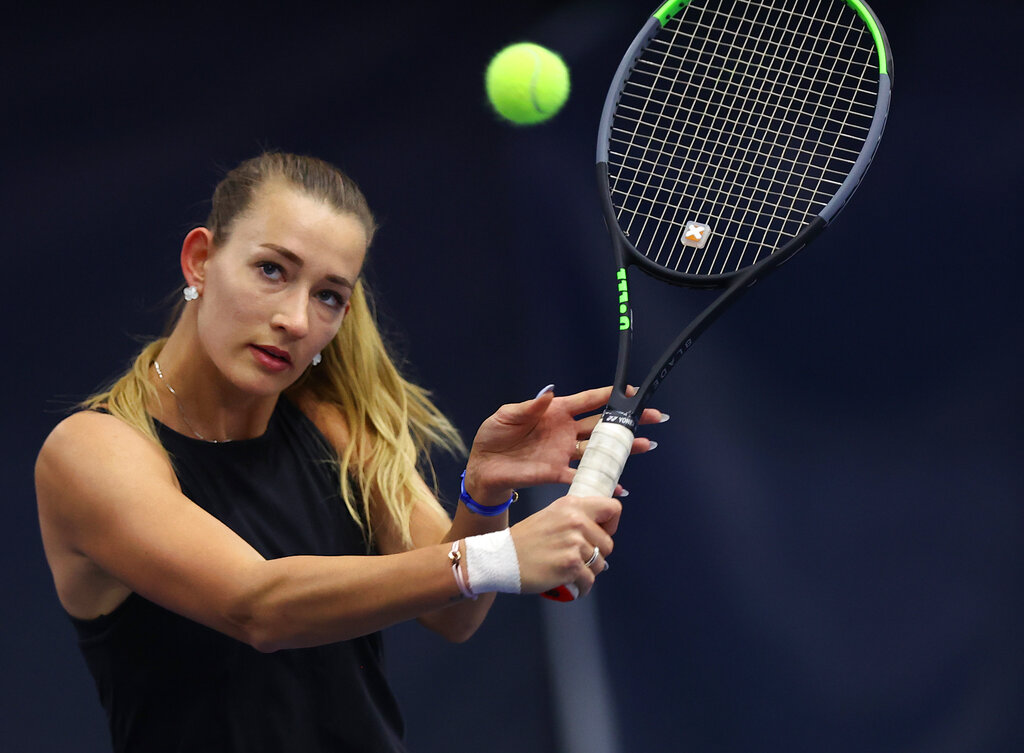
825 552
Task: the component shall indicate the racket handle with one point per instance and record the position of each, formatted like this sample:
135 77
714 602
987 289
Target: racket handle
603 460
597 476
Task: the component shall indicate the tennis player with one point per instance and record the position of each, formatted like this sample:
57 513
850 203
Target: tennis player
231 524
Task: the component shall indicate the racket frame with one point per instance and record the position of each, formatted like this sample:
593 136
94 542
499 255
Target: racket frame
611 441
621 408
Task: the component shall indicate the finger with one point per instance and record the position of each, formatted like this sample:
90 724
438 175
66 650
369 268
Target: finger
596 561
593 563
603 513
642 445
528 410
609 524
585 581
597 522
653 416
586 401
540 402
602 526
591 400
585 426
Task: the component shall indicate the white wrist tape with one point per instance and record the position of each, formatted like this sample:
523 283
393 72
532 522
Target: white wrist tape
492 564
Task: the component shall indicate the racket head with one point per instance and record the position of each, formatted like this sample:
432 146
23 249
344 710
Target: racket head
735 131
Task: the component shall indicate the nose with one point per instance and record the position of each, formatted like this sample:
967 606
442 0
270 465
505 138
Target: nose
292 314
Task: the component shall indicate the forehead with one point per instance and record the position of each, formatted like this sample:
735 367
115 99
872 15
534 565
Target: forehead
288 217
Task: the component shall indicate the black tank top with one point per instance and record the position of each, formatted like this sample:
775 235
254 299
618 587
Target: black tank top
170 684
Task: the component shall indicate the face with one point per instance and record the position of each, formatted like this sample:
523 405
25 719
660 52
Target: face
275 293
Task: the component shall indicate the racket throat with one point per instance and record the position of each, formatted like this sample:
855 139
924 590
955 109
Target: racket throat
675 352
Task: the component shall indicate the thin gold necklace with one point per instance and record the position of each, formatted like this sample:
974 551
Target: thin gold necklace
181 410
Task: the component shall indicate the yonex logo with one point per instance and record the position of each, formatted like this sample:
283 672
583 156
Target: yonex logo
696 234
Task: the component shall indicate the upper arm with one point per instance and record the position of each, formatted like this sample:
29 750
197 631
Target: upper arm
429 523
109 494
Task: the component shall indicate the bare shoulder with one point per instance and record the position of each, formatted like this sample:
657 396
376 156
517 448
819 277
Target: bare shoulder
86 425
87 438
86 469
88 451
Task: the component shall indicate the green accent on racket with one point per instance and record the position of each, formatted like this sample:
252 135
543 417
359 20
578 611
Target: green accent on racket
669 9
876 32
624 318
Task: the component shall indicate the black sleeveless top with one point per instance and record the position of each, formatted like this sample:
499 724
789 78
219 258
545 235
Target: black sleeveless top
170 684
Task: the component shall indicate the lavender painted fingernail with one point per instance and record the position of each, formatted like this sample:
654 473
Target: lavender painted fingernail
549 388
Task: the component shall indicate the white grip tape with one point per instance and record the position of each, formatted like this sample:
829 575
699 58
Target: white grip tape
603 460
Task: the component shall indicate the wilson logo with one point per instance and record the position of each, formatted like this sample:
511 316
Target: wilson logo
623 299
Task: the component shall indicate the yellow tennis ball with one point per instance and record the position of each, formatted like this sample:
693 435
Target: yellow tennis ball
527 83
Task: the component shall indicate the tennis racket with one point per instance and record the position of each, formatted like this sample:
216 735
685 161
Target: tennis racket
733 134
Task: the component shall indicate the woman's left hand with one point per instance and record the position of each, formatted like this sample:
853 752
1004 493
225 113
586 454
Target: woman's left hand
531 443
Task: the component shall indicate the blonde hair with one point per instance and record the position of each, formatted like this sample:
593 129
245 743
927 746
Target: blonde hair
392 424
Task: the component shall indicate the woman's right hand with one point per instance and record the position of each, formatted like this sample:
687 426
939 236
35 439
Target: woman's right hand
554 544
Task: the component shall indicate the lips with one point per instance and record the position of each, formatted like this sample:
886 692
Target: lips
271 358
275 352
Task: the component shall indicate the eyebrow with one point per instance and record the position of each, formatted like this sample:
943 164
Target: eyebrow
297 261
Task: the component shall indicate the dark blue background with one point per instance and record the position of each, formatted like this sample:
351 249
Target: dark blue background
825 551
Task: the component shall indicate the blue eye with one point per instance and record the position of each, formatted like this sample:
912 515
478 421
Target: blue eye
270 270
331 298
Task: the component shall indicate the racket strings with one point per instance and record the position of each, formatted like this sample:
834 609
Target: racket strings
735 131
739 161
747 123
793 215
731 173
732 166
654 109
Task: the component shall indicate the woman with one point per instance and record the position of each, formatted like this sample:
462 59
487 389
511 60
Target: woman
207 519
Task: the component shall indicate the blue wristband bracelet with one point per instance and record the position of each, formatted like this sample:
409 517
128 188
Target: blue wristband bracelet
476 507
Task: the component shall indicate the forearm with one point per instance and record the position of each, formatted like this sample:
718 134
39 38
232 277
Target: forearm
466 523
303 601
306 601
458 621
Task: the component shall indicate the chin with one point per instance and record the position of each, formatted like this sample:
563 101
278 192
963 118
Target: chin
271 386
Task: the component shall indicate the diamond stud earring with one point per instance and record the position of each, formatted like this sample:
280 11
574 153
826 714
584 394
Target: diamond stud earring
190 293
317 359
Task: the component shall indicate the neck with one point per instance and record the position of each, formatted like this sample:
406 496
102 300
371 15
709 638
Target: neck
204 403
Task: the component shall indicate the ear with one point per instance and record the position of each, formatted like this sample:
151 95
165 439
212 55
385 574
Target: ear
195 251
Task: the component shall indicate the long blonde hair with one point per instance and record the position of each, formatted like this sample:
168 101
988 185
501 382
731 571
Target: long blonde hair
392 424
